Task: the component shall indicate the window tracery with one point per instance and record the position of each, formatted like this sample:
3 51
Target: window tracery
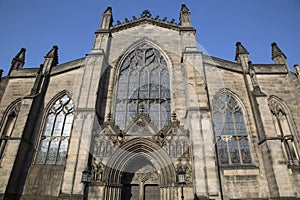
283 127
143 80
54 142
230 130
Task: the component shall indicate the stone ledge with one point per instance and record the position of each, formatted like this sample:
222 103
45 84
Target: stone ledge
240 170
61 197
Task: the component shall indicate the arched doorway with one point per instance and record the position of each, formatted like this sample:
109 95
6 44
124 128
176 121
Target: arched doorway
139 170
140 180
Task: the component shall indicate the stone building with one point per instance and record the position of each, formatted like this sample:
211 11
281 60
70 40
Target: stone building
146 115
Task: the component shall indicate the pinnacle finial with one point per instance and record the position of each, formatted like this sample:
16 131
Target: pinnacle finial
107 19
276 51
278 56
184 8
185 16
53 53
297 69
18 61
108 10
240 49
1 73
146 13
20 56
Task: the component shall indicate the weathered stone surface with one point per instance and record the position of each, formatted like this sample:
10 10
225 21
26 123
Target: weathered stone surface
44 180
189 141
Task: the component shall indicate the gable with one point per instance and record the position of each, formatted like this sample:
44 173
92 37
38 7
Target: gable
137 22
162 37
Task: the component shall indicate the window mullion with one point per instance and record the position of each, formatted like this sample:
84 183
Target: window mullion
127 98
234 123
58 147
54 122
228 150
279 125
48 147
286 146
238 138
159 93
60 137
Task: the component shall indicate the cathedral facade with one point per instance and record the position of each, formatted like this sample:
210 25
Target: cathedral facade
147 115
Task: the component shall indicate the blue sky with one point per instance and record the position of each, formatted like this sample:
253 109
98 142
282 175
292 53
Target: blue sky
37 25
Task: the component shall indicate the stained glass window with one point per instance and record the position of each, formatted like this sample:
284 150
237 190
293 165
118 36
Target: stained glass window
54 142
230 130
143 80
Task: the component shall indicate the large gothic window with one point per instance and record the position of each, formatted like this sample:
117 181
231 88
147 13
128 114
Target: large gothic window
7 125
230 130
284 129
54 142
143 82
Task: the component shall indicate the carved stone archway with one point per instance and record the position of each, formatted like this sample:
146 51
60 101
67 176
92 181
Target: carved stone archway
139 169
140 180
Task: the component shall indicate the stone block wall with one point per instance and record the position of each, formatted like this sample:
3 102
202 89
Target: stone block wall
273 174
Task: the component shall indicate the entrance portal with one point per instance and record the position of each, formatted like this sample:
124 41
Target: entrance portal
137 170
140 182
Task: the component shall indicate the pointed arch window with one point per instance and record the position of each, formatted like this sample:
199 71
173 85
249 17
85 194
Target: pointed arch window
8 123
54 141
143 80
230 130
284 129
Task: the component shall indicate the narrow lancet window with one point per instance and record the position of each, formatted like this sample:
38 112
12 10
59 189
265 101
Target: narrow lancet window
284 129
8 123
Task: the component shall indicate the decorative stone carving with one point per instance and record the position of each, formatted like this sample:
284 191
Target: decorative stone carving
275 107
104 142
174 139
97 170
146 13
146 17
146 174
253 77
